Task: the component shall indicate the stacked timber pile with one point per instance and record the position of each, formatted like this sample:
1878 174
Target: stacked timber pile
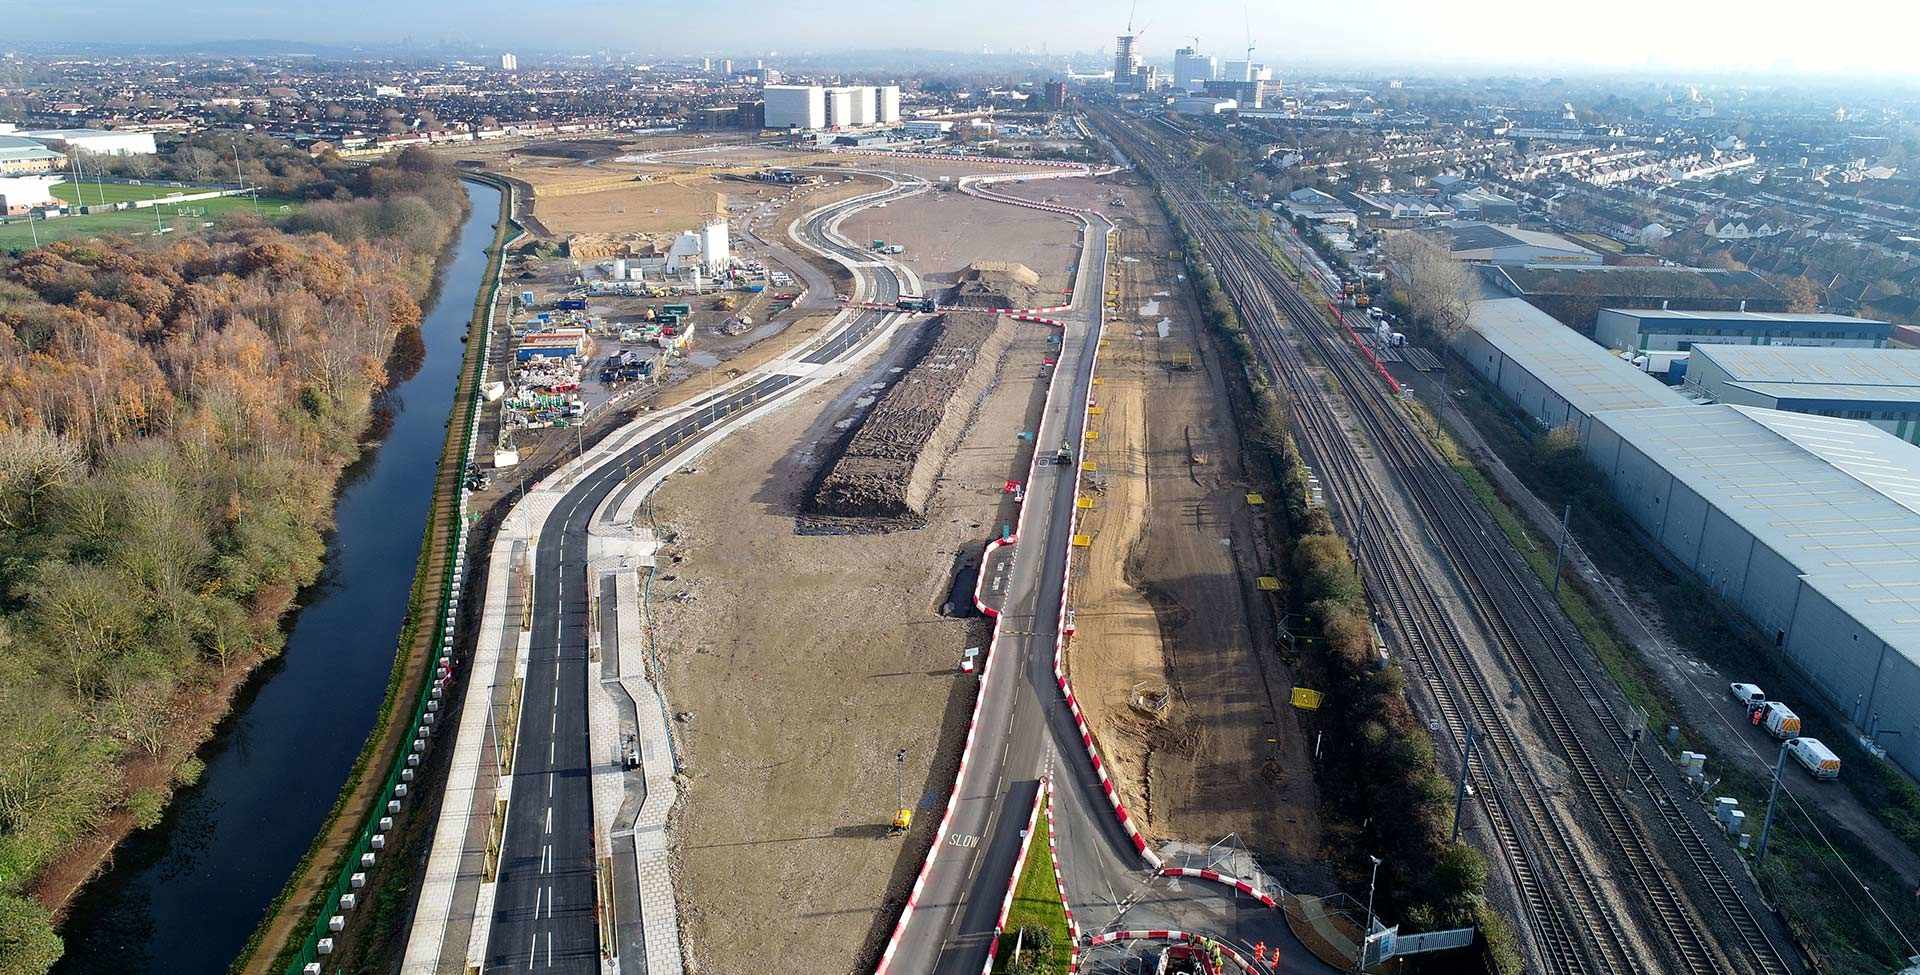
995 284
886 473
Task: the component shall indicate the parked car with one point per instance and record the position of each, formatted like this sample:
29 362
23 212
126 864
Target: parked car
1748 694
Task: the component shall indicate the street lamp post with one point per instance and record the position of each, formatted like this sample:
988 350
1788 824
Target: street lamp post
1773 791
1360 964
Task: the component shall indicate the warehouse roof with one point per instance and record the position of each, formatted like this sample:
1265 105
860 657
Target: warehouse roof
1853 394
1487 236
15 147
1838 499
1814 365
1587 376
1731 317
69 134
1644 282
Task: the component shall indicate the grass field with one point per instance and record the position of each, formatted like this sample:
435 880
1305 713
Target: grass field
16 234
96 194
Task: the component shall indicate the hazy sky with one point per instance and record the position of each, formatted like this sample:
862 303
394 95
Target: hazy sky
1859 37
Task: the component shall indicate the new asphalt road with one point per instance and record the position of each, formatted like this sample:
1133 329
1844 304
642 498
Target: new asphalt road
544 908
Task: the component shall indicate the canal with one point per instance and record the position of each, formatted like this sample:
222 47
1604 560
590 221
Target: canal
185 895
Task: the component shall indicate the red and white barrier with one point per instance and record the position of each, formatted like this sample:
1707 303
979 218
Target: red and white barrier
1021 316
1066 685
1223 879
1013 884
981 579
1060 884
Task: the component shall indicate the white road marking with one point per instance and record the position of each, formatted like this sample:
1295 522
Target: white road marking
550 748
549 818
533 950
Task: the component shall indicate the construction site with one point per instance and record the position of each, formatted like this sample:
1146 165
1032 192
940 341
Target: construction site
1175 659
809 705
634 346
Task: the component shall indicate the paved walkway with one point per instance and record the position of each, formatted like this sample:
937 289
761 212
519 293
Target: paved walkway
628 720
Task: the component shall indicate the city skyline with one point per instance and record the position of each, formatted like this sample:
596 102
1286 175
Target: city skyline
1637 35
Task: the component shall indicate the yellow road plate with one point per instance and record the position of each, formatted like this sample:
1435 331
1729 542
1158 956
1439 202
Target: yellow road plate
1089 466
1084 503
1306 698
1082 541
1268 584
1096 410
1256 499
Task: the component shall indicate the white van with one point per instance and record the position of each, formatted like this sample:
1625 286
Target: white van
1779 720
1748 694
1815 757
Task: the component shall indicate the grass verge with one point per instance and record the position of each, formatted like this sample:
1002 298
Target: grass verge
1036 907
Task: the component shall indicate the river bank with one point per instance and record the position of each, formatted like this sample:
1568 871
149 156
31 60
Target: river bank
187 894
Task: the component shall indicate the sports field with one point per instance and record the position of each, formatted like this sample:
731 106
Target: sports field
16 234
89 193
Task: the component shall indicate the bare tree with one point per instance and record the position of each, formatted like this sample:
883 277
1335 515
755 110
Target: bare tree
1439 290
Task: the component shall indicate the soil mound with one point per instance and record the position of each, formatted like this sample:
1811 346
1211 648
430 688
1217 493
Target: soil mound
995 284
887 471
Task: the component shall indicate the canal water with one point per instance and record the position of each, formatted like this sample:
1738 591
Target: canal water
185 895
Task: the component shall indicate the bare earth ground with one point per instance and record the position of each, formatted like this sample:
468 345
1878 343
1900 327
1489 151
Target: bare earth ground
1165 589
806 662
666 204
967 228
554 147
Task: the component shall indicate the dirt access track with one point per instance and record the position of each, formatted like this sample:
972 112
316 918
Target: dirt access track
1164 587
805 663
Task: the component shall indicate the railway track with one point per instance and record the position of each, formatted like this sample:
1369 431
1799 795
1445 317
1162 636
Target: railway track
1574 926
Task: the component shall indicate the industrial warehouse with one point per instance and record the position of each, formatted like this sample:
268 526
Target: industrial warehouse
1662 330
1555 374
1808 523
1878 386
